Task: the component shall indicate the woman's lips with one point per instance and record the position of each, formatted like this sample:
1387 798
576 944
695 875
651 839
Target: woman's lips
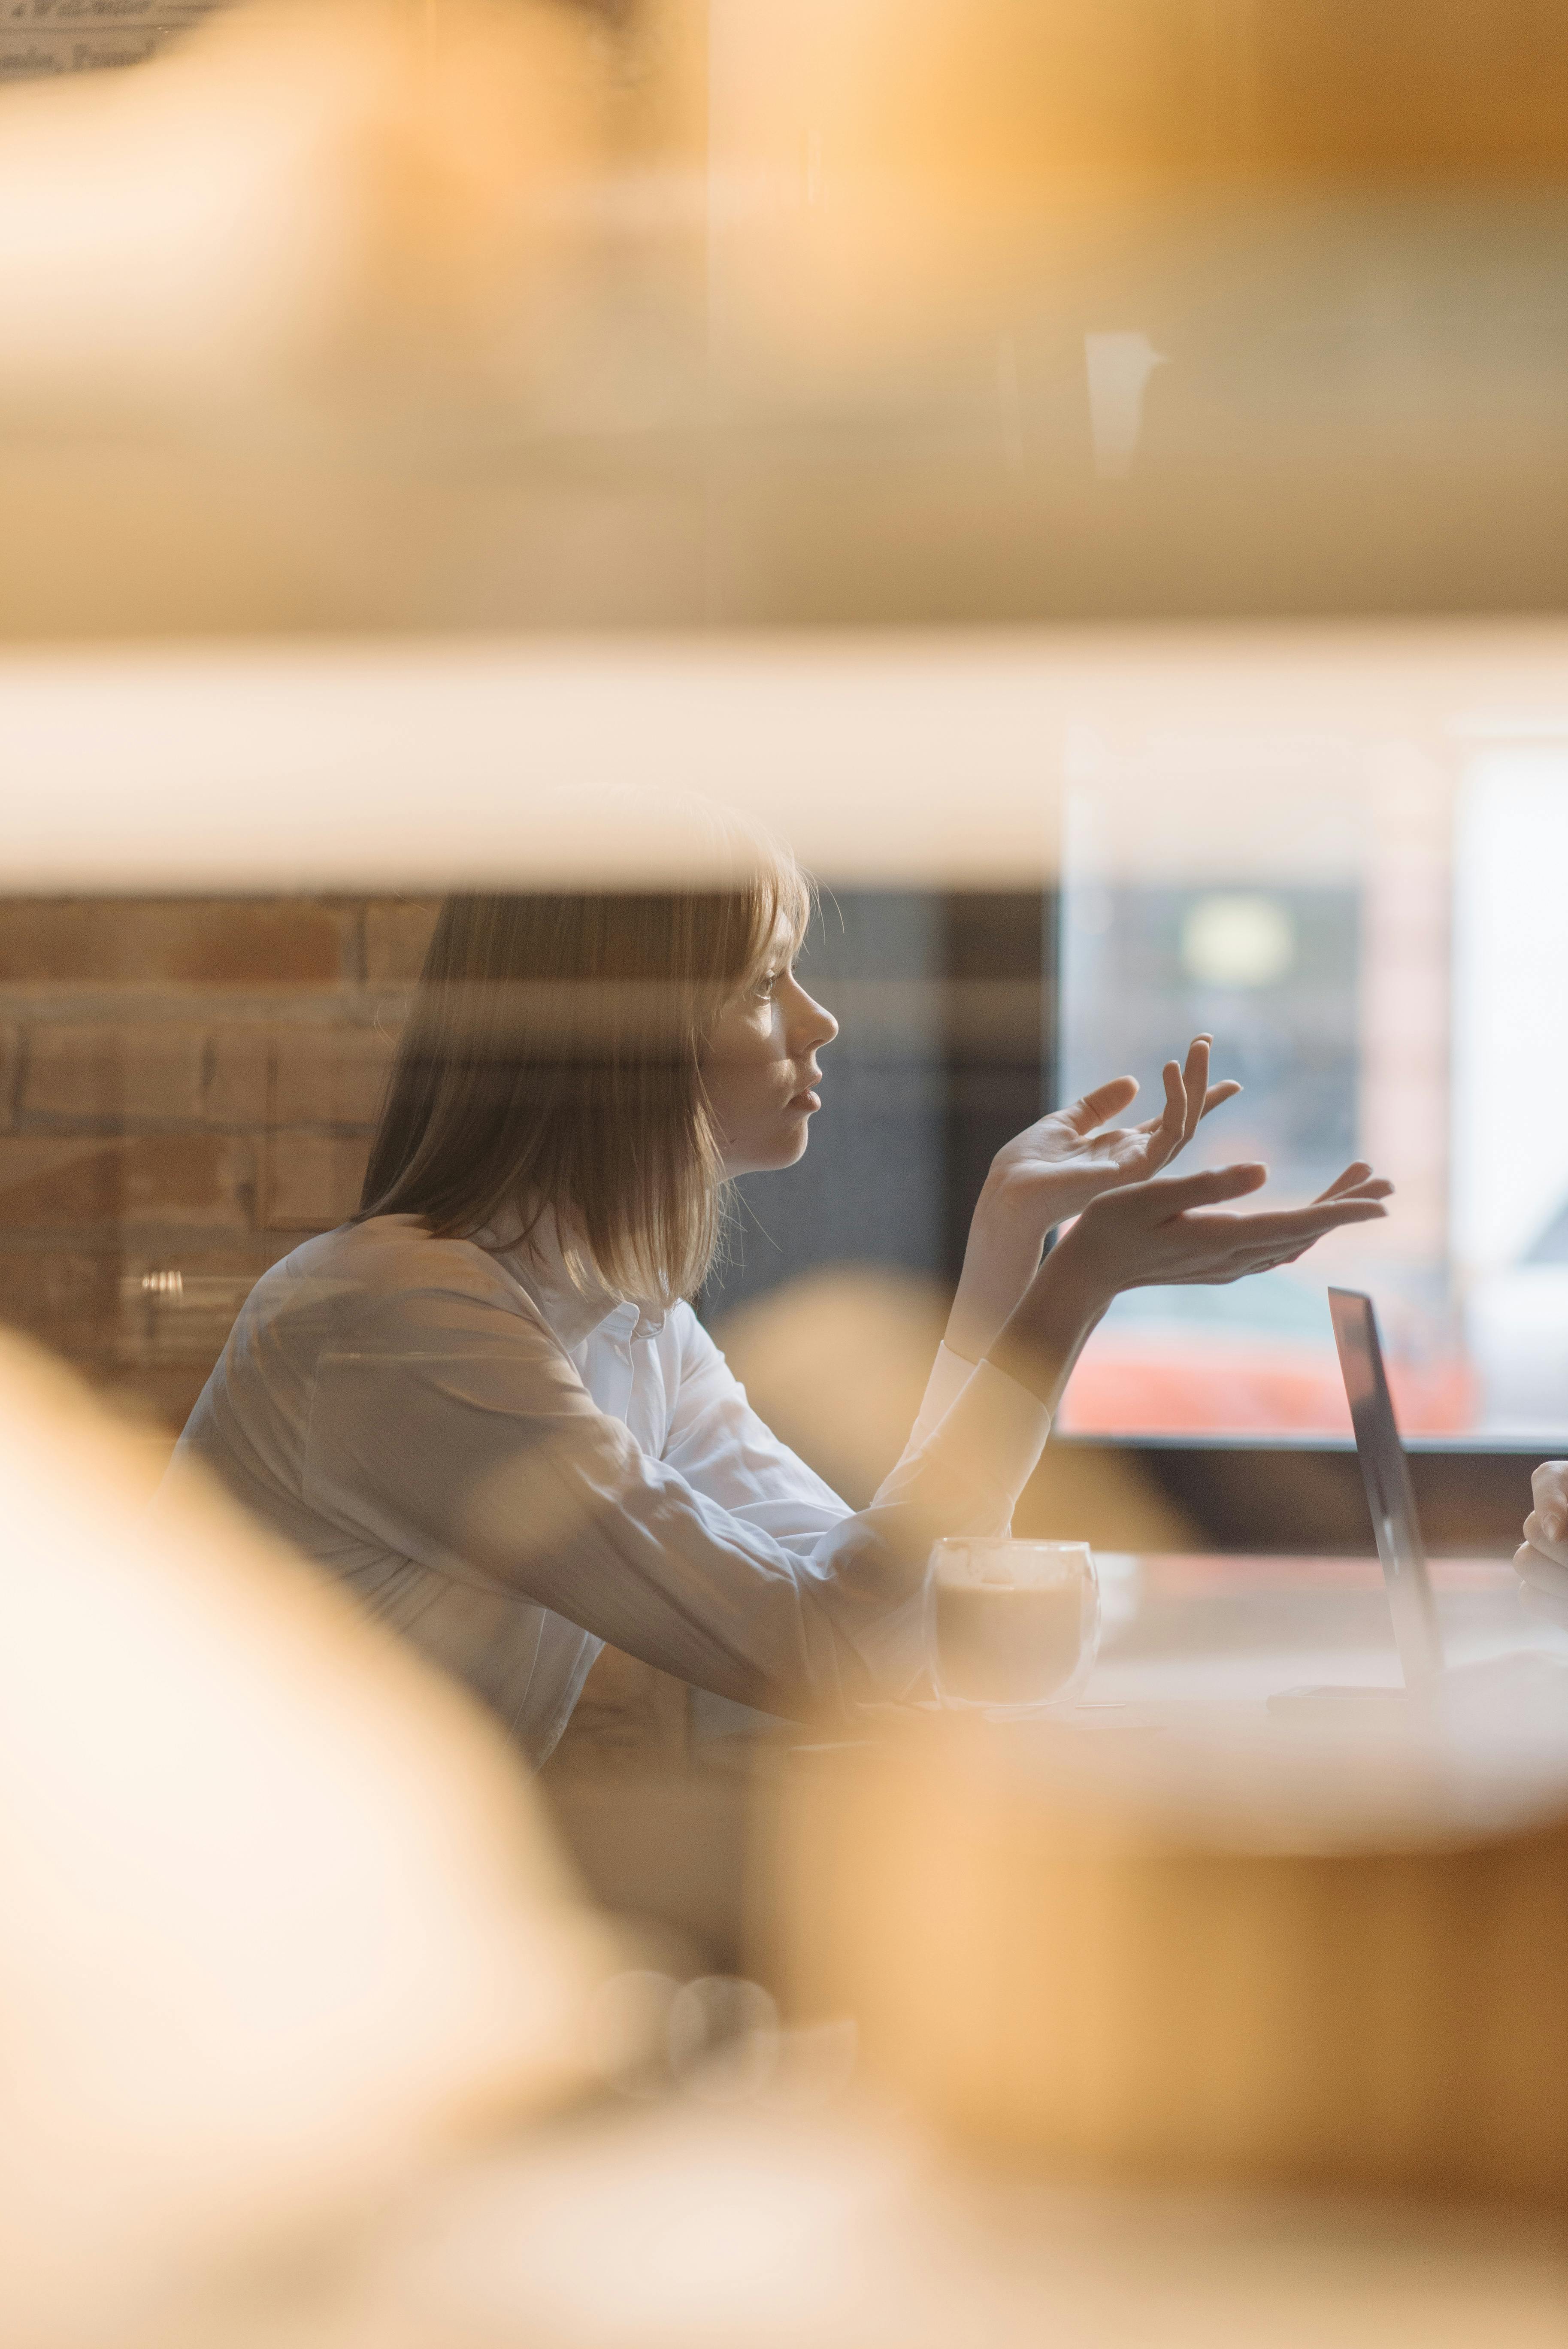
807 1101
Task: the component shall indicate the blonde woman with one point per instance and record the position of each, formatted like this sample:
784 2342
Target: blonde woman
486 1405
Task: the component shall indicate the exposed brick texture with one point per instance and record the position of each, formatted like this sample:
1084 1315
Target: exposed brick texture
186 1085
101 1073
207 942
191 1086
238 1076
331 1076
10 1072
313 1181
167 1181
67 1296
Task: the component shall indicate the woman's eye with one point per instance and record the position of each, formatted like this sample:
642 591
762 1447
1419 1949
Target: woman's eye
766 987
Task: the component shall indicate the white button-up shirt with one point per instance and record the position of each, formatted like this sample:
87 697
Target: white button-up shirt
512 1472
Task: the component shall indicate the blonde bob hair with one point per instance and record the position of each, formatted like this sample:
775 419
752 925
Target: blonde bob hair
552 1064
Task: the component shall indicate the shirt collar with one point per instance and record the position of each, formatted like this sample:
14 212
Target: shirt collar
574 1308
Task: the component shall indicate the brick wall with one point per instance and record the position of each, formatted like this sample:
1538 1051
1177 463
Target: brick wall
188 1089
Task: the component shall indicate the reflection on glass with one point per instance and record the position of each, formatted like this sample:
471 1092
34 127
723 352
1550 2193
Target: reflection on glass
1372 933
1288 895
1511 1102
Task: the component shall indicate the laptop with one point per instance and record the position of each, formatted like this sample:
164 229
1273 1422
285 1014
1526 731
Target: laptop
1385 1473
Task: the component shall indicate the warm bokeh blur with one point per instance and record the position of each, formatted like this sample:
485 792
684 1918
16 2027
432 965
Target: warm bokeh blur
502 312
1092 480
283 1923
1304 1959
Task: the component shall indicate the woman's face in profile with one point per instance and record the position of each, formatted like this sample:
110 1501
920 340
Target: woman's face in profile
761 1067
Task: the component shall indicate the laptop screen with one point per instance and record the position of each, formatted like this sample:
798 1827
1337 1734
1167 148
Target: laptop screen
1386 1475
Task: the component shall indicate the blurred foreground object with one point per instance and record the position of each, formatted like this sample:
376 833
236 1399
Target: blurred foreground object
300 206
1255 1955
281 1923
350 314
837 1362
47 38
766 2229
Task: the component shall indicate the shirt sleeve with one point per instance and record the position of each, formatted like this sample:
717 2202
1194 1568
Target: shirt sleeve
977 1441
456 1431
950 1374
976 1428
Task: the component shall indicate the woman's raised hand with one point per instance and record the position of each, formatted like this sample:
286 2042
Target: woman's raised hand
1055 1169
1150 1235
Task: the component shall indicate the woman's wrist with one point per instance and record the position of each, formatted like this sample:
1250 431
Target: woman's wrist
1044 1335
1000 1260
1072 1281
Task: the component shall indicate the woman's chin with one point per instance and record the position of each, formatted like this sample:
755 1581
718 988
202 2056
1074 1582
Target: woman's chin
779 1150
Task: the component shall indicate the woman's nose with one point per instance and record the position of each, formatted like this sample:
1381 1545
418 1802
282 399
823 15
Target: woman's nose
819 1023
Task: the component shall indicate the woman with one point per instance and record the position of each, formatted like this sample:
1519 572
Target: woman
486 1405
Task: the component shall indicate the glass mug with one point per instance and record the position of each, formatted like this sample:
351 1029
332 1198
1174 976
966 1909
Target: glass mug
1012 1627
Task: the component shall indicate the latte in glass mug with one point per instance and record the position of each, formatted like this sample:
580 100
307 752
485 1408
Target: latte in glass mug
1014 1625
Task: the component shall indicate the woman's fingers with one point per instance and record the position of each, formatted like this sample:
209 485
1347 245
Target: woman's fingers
1223 1245
1106 1100
1232 1260
1189 1195
1357 1182
1291 1226
1192 1228
1195 1084
1166 1132
1188 1097
1356 1172
1376 1186
1179 1195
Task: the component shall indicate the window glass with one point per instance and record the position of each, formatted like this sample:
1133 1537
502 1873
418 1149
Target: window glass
1370 929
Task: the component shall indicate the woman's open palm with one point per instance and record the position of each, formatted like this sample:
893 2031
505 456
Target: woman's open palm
1055 1167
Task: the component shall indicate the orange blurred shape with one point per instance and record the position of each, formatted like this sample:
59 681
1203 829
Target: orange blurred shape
836 1361
306 200
1124 1385
883 168
1252 1953
281 1922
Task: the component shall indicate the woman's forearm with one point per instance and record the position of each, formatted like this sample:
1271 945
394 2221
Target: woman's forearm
1048 1328
1000 1260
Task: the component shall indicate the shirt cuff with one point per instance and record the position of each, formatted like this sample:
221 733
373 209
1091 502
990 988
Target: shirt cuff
993 1433
950 1374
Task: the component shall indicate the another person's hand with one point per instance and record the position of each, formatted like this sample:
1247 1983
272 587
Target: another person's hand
1054 1169
1541 1564
1163 1233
